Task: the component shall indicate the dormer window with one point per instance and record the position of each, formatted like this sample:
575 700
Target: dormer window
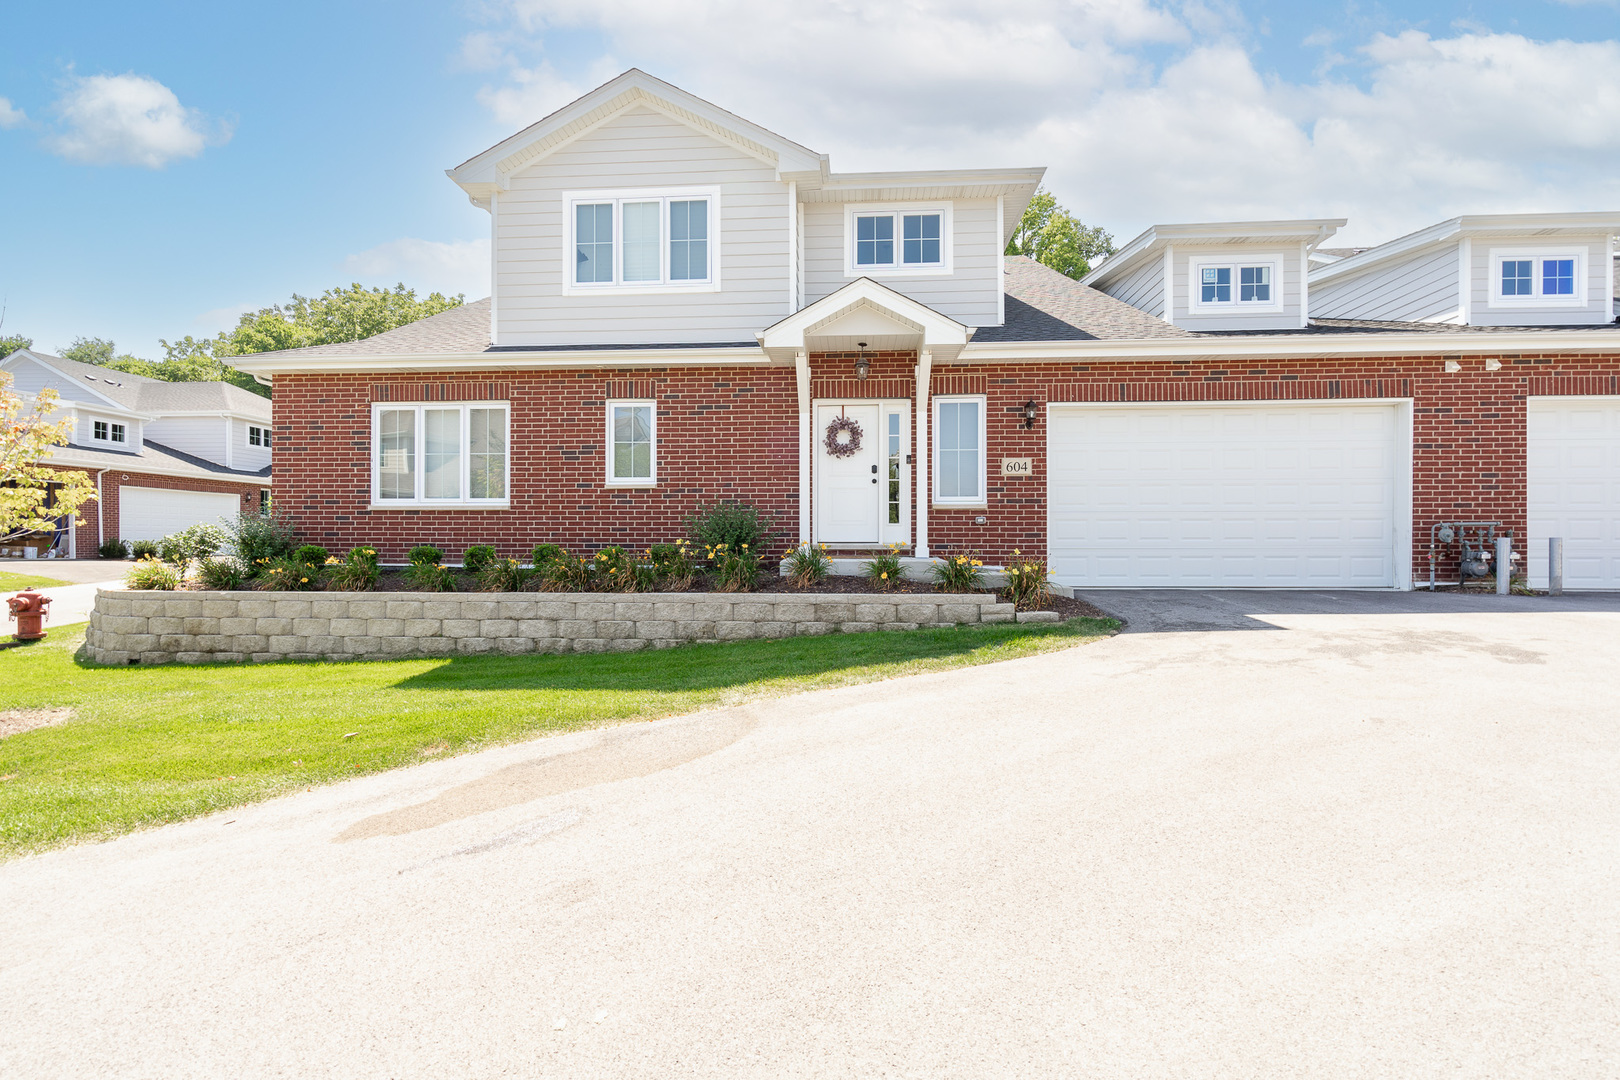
897 239
1530 278
632 241
106 431
1235 285
258 436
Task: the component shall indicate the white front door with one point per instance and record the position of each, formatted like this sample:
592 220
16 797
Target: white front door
849 487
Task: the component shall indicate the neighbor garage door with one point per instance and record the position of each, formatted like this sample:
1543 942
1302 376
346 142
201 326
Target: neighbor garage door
153 513
1218 496
1573 473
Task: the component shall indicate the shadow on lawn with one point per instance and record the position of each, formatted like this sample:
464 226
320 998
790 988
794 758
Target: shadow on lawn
709 667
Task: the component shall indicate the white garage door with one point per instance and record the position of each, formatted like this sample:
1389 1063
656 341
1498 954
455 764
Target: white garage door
1214 496
1573 466
153 513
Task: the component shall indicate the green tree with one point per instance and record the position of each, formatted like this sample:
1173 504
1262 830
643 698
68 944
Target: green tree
1053 237
32 495
15 343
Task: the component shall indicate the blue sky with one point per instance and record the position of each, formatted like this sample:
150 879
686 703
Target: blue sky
168 165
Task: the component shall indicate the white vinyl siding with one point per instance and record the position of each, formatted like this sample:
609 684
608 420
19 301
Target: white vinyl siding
200 436
1142 288
1421 289
1573 476
1590 306
1281 313
969 293
641 149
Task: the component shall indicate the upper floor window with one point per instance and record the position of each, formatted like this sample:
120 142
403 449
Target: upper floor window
1236 284
258 436
898 239
640 240
1522 278
106 431
439 454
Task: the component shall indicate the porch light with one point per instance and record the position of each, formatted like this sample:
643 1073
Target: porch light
862 364
1029 413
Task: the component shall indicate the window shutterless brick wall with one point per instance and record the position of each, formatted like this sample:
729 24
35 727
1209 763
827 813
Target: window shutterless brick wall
727 433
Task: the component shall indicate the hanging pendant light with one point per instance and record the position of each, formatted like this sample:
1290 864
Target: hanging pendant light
862 364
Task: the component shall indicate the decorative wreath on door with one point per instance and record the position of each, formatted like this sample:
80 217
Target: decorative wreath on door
843 437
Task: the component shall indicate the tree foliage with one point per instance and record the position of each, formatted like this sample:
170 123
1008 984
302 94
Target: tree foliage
1053 237
27 501
14 343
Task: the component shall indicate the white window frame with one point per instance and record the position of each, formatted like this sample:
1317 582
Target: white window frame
1498 256
607 419
983 497
618 197
1236 263
114 428
947 232
263 434
419 407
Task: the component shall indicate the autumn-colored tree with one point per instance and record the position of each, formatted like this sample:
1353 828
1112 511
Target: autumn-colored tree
1053 237
33 496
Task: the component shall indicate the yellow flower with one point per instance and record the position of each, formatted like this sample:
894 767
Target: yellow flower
885 575
1017 552
303 579
331 560
976 562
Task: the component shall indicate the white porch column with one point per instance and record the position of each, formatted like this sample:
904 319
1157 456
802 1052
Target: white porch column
801 370
925 370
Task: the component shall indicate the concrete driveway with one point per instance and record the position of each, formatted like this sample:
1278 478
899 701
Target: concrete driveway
1374 843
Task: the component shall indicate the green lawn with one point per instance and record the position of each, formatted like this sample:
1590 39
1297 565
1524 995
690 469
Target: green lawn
10 583
150 745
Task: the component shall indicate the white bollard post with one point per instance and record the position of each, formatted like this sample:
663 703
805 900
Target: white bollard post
1504 564
1555 566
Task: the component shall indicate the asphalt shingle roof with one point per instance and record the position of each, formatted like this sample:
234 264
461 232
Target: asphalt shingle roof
163 459
1044 305
141 393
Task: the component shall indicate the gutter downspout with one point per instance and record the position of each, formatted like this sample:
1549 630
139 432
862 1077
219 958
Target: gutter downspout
801 371
925 371
101 518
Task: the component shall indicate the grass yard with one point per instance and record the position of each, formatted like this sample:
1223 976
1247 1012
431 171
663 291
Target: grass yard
150 745
10 583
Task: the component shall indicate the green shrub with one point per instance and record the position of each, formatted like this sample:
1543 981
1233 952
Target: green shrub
356 573
430 577
735 570
144 549
808 564
736 525
312 555
958 573
113 549
1027 584
884 570
287 574
150 573
568 573
504 575
192 546
674 563
544 554
615 570
478 557
256 537
221 575
426 554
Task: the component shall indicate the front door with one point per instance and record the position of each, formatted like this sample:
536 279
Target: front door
849 487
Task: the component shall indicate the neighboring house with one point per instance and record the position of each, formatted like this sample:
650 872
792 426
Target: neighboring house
689 308
164 455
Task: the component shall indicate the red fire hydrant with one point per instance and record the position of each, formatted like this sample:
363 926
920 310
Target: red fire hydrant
28 609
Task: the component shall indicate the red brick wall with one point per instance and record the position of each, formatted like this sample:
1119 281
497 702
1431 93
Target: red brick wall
106 510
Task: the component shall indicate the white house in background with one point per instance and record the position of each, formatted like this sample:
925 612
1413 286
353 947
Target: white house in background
1478 270
164 455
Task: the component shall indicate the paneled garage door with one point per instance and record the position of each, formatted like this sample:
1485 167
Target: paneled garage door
1217 496
153 513
1573 463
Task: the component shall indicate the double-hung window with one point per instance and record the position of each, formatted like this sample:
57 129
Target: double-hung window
959 457
1521 278
627 241
258 436
898 239
632 441
1236 284
440 454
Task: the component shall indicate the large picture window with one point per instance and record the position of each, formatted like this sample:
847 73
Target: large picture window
440 454
632 439
641 240
959 455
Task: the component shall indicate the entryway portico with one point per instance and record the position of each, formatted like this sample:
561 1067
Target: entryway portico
863 445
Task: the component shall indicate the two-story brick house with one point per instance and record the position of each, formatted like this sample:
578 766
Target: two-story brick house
163 455
687 307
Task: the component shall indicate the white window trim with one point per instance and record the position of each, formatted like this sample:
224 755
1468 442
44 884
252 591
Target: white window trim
947 246
617 197
108 439
264 437
607 422
380 503
1498 256
1196 263
983 497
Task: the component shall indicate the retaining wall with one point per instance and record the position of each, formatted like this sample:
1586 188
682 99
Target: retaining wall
128 626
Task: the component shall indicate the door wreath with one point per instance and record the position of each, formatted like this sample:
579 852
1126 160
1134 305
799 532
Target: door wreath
843 437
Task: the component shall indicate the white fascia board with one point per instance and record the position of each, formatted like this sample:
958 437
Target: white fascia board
937 330
64 457
80 405
1314 230
1537 223
1527 225
512 361
1304 346
252 418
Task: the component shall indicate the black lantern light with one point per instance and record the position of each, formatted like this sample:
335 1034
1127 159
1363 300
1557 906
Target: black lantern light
862 364
1029 413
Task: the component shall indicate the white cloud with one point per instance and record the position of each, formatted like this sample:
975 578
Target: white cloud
426 265
10 115
1143 113
129 120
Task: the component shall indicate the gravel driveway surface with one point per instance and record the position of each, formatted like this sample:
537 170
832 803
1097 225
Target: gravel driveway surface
1360 844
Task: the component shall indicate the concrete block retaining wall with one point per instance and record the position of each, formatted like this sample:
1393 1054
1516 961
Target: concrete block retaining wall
128 626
